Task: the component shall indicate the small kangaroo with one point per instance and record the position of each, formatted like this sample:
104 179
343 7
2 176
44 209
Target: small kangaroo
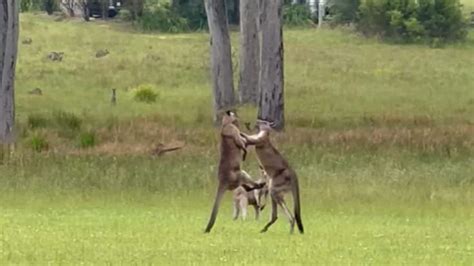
282 178
230 175
256 198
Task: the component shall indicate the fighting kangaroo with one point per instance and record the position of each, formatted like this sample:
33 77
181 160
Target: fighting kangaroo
282 178
230 175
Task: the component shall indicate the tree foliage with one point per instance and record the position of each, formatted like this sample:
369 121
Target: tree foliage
413 20
434 21
297 15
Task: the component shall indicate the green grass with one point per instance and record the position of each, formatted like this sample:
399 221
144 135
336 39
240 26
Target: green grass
359 209
381 136
468 5
136 210
331 76
160 230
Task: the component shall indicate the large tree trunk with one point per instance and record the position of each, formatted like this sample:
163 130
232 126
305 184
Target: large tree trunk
249 51
221 60
8 51
85 9
271 99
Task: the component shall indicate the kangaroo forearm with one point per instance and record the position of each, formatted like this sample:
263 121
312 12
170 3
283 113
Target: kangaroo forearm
251 139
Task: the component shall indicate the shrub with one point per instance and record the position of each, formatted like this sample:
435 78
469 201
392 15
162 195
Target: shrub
343 11
26 5
37 121
38 143
135 8
125 15
442 19
162 18
297 15
50 6
413 20
87 139
145 94
193 11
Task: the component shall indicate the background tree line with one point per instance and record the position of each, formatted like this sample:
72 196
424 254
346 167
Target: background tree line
434 21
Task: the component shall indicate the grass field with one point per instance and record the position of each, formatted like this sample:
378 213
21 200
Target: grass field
381 135
356 210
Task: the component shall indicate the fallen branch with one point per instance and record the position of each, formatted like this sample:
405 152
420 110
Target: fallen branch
162 148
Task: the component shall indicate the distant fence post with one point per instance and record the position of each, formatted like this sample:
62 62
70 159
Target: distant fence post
113 100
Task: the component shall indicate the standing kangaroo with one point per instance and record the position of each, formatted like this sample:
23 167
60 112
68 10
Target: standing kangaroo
230 175
282 178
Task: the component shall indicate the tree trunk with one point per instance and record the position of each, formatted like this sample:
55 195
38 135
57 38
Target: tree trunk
249 51
271 99
8 50
85 10
105 9
221 60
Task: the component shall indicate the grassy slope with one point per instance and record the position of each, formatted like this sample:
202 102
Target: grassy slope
331 76
380 135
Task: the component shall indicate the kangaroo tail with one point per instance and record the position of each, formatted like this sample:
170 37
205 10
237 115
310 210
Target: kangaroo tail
297 208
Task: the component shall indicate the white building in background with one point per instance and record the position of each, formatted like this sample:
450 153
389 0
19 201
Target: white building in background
313 6
317 8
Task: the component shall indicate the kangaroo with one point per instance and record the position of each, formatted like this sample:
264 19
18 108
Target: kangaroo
230 175
282 178
256 198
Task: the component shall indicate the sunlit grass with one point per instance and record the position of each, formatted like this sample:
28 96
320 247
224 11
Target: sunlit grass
381 136
163 230
356 209
331 76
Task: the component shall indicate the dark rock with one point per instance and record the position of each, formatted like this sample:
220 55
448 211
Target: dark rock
101 53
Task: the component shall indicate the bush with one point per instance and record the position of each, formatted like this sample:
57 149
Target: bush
443 19
26 5
86 140
125 15
38 143
162 18
343 11
30 5
413 20
145 94
193 11
297 15
50 6
135 8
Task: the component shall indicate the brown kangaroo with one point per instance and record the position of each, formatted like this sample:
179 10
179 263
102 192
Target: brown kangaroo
230 175
282 178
